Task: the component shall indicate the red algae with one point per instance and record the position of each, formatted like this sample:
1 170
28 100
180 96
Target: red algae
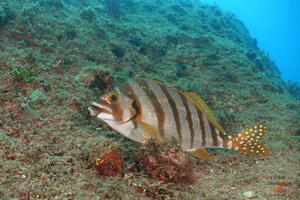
106 158
166 163
110 164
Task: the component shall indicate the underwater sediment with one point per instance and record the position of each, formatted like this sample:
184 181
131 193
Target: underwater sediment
56 56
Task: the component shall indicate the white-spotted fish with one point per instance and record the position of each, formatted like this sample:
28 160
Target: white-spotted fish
147 109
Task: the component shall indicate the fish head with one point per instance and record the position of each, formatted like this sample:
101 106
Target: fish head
114 107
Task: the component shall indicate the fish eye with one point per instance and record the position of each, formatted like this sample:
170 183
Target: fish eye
113 98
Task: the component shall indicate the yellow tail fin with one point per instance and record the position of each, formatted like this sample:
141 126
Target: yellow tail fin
246 141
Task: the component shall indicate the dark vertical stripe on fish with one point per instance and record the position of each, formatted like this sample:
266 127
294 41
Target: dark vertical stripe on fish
214 134
160 115
129 92
200 116
174 109
188 117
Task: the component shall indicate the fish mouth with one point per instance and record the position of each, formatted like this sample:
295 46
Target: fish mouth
95 109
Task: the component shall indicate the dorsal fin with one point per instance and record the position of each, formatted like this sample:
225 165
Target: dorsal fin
204 108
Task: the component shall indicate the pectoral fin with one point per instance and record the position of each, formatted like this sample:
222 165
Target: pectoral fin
201 153
146 132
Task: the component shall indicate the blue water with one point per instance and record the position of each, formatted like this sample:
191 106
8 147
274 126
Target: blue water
276 26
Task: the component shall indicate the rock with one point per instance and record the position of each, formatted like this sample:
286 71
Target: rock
6 15
118 51
56 3
251 55
249 194
218 12
106 157
178 9
135 42
88 15
95 77
259 64
114 8
166 163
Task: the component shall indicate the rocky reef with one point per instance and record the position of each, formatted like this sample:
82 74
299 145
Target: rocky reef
56 56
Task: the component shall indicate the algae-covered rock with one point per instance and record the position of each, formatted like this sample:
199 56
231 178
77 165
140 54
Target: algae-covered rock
88 15
56 3
2 13
6 15
96 77
114 8
293 88
166 163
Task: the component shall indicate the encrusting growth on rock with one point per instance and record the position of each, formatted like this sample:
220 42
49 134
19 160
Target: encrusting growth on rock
166 163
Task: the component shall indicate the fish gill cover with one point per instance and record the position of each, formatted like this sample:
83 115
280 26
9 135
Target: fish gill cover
56 56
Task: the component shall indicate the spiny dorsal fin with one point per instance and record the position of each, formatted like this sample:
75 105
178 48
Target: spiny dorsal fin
204 108
246 141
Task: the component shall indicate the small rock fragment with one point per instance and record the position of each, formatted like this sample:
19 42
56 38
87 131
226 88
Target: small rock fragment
249 194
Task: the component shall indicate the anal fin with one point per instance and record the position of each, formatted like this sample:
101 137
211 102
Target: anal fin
201 153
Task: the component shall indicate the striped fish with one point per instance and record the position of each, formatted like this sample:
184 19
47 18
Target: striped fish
145 109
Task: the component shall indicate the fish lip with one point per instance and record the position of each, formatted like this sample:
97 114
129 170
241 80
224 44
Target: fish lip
95 109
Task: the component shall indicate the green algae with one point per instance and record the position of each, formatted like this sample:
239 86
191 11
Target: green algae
23 74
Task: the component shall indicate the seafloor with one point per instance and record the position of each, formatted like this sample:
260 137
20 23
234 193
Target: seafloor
56 56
